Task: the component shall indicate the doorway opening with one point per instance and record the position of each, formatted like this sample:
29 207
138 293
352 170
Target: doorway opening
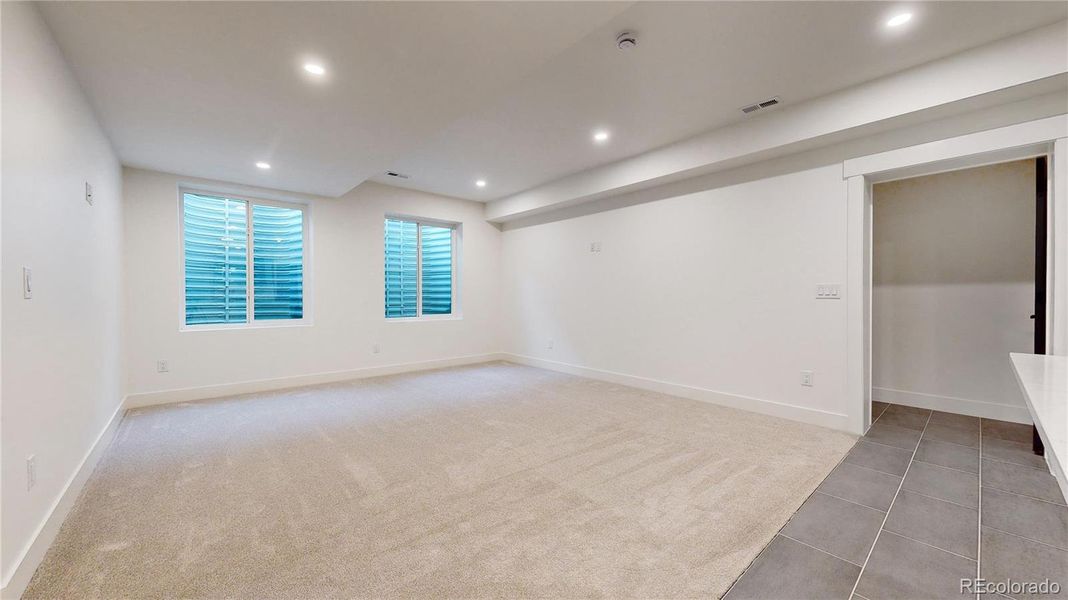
958 281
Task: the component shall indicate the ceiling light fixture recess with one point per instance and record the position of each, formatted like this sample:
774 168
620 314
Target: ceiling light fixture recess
263 165
899 20
481 183
600 136
314 69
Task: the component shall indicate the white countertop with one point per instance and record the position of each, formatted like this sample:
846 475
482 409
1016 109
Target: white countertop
1044 382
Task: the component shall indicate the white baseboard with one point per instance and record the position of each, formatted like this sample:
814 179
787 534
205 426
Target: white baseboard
963 406
33 553
280 383
767 407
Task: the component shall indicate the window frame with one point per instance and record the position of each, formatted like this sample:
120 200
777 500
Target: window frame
250 286
457 238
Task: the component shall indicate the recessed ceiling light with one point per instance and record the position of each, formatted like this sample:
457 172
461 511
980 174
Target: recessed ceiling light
899 20
481 183
263 165
314 69
600 136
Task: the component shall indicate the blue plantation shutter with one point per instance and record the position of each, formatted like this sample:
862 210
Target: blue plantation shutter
278 262
401 266
216 259
437 269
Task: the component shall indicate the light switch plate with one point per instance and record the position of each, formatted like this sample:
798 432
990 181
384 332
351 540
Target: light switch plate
27 283
828 291
88 193
31 471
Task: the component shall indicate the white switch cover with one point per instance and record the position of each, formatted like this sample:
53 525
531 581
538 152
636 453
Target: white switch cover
163 366
88 193
27 283
31 472
551 343
828 291
375 349
806 378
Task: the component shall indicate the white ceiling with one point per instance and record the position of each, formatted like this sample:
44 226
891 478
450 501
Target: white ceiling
452 92
206 89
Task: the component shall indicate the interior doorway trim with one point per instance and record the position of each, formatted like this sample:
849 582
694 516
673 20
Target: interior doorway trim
1042 137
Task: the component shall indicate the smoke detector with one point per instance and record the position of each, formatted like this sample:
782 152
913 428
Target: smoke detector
626 40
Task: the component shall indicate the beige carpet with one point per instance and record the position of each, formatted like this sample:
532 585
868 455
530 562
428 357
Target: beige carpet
488 481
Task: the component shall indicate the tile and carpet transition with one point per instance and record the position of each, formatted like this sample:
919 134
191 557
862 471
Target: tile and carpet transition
924 500
489 480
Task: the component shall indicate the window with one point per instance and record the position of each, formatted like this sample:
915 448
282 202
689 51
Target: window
420 268
224 239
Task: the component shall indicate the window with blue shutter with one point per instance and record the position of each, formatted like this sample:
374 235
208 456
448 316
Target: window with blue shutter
278 262
419 271
218 259
436 249
402 263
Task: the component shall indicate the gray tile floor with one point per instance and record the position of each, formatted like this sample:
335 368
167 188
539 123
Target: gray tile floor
924 500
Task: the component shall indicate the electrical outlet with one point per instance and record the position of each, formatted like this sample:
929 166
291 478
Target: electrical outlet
88 193
806 378
31 472
27 283
550 344
595 246
375 349
163 366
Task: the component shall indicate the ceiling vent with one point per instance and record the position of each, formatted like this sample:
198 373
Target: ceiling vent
752 108
398 175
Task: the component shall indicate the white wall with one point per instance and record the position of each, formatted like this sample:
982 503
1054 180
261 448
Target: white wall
713 291
705 288
1058 253
953 288
61 350
345 289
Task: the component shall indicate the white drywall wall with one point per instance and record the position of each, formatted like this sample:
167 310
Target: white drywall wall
1058 255
708 285
713 291
953 288
345 292
61 350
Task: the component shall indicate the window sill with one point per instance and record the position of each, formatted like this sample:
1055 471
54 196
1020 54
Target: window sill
424 319
246 326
